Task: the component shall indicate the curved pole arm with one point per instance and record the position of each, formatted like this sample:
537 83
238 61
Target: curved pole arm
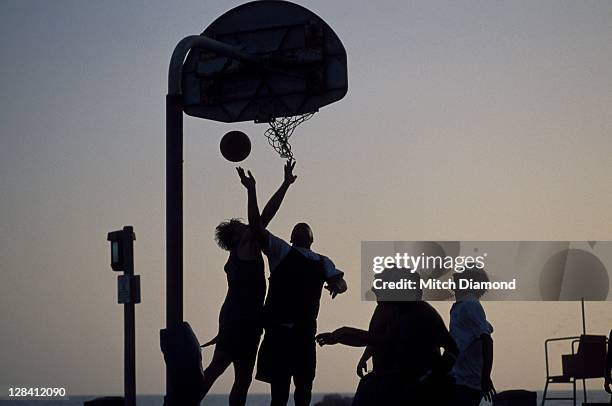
199 41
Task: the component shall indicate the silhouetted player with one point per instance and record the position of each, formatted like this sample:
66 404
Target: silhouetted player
297 276
472 333
240 319
404 340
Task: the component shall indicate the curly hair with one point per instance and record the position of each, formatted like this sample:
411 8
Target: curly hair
224 233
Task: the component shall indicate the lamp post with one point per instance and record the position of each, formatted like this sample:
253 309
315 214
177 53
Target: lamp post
128 294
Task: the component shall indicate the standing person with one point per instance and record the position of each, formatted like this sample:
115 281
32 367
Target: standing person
472 333
297 277
240 318
404 341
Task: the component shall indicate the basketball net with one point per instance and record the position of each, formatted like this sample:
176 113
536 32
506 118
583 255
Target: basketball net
281 129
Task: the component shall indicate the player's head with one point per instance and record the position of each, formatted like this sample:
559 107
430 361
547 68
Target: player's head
470 274
301 236
411 280
229 232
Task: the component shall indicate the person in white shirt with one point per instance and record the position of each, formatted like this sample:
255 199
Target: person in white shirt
297 278
472 334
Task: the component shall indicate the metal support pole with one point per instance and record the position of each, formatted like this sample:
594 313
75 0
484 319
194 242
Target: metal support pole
174 211
583 316
174 221
129 338
128 294
129 355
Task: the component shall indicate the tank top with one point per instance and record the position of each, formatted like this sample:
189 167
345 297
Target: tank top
246 290
295 290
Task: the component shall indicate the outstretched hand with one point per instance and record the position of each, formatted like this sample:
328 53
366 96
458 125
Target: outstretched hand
333 292
331 338
289 176
247 181
335 287
327 338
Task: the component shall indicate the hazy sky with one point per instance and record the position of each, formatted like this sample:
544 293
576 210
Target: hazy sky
465 120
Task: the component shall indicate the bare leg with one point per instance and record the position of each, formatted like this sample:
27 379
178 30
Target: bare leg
303 391
217 366
279 389
243 375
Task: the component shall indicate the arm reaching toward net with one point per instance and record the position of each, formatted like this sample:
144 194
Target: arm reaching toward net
258 230
276 200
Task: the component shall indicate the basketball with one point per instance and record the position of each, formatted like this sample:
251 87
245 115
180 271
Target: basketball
235 146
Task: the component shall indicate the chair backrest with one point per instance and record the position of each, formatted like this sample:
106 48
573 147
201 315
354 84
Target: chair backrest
590 360
592 347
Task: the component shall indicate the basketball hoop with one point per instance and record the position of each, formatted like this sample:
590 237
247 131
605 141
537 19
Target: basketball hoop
265 61
281 129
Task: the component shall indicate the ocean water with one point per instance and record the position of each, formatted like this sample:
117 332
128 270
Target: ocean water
150 400
264 400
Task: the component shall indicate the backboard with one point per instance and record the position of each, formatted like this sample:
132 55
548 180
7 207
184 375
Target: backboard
299 65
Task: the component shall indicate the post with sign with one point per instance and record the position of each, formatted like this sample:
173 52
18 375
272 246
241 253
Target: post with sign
128 294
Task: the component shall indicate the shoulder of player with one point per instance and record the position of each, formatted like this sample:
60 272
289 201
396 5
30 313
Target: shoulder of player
472 310
472 306
278 240
310 253
322 257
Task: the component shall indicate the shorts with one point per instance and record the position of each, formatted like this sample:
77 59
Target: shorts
287 351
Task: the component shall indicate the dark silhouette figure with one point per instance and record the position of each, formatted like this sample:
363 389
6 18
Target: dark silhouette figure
608 378
240 319
472 333
297 277
334 400
404 341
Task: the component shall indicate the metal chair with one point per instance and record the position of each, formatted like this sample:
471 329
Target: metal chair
586 363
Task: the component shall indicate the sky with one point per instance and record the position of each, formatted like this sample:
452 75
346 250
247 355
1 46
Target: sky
464 120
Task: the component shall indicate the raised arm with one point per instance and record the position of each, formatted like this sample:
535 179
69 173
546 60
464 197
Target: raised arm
259 232
276 200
